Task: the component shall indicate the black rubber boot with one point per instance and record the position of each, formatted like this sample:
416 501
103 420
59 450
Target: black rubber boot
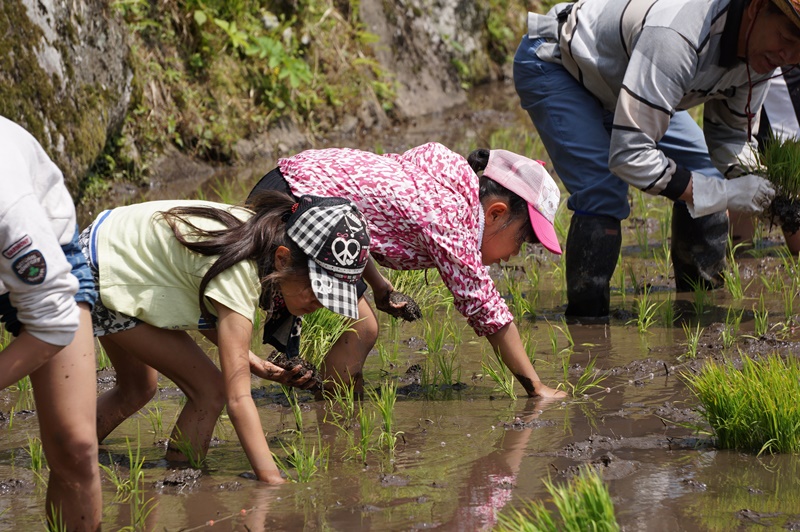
592 251
698 248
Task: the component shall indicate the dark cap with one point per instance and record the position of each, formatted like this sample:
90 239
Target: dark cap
333 233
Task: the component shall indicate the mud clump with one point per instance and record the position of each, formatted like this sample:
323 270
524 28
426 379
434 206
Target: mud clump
288 364
786 211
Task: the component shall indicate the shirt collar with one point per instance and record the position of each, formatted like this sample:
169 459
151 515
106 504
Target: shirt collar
729 42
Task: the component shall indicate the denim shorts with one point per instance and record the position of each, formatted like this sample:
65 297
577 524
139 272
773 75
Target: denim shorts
104 320
87 291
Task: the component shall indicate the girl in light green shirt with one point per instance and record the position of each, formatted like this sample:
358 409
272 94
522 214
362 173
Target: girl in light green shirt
165 267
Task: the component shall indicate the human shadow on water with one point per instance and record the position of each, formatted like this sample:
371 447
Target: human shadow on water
489 486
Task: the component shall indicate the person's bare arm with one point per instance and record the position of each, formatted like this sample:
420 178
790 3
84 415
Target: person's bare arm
233 335
508 343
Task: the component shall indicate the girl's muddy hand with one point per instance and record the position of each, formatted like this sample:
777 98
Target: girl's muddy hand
398 305
295 377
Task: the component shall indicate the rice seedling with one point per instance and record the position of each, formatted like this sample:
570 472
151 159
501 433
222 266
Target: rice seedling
701 297
733 320
305 459
24 387
54 520
552 333
342 402
156 418
531 273
530 345
127 485
103 362
386 356
760 317
5 338
294 405
321 329
435 334
500 374
440 370
36 454
561 222
692 340
589 379
366 428
663 260
754 408
582 504
731 276
788 305
196 457
668 312
394 337
385 400
774 283
646 310
231 191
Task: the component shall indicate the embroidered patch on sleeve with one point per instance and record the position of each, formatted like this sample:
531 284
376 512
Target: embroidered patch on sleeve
17 246
31 268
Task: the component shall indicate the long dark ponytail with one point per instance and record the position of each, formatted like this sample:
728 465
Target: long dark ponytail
254 239
478 160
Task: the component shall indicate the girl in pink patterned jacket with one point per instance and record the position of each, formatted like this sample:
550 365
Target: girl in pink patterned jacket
427 208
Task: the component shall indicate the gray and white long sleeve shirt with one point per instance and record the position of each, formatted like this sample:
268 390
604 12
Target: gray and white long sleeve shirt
646 59
37 217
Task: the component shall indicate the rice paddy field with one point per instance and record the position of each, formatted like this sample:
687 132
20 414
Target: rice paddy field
446 439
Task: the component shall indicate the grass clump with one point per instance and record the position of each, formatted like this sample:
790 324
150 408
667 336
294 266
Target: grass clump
754 408
582 504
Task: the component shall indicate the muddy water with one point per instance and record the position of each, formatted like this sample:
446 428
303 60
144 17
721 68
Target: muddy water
468 452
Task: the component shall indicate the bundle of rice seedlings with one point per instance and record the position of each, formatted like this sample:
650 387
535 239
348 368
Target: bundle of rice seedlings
582 504
753 409
781 158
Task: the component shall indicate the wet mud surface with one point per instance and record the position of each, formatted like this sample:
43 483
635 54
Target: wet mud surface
465 451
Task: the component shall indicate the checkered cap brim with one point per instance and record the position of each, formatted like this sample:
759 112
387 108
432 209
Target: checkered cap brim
333 233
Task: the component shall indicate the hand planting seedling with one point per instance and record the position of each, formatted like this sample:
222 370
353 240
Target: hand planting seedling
297 370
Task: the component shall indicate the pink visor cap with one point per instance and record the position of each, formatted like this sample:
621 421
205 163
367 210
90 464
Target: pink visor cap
530 181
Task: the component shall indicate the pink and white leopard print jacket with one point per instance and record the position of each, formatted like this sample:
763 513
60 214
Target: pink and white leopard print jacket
423 211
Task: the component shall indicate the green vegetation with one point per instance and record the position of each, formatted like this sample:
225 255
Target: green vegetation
782 161
321 329
754 408
306 459
500 374
582 504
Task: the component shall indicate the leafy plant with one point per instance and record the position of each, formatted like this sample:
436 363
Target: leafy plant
760 317
646 310
753 408
733 320
305 459
500 374
692 339
385 400
589 379
321 329
582 504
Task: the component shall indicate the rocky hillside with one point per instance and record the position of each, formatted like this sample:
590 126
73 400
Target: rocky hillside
111 89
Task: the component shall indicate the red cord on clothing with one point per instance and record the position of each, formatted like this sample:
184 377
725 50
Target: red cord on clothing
294 207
